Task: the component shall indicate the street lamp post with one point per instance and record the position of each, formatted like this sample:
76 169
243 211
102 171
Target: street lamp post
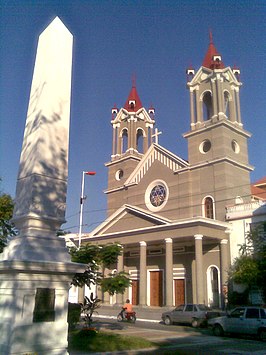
82 198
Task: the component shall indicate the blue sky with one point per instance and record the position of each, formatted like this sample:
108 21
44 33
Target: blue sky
156 41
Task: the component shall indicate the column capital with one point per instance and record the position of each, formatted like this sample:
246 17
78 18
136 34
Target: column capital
228 231
143 244
198 236
168 240
224 241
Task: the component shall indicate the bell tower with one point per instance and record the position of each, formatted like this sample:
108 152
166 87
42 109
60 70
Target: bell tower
132 136
217 141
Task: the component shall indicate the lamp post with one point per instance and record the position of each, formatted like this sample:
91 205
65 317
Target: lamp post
82 198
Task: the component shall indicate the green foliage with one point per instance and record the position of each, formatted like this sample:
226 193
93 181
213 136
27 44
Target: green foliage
115 283
6 227
109 253
97 258
89 306
250 267
255 242
86 254
238 299
245 270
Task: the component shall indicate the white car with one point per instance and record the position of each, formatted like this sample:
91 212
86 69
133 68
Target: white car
242 320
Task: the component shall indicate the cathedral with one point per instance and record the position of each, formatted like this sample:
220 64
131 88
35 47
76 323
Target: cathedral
169 214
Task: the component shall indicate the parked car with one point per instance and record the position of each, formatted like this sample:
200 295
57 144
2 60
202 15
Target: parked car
193 314
241 320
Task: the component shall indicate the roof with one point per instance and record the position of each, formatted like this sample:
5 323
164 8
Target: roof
258 189
209 61
133 97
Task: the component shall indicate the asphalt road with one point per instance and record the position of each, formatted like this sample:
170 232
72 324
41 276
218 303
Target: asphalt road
183 340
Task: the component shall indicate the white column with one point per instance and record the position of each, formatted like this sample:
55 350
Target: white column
169 272
224 261
199 268
120 268
143 274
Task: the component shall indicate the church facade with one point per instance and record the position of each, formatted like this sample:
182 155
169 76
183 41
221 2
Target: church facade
169 214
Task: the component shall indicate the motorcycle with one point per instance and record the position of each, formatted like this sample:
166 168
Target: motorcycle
126 317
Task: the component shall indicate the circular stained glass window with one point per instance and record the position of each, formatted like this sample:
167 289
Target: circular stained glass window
157 195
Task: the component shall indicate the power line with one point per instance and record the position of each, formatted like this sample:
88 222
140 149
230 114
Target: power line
176 208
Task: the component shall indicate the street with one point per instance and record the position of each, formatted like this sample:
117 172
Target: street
183 339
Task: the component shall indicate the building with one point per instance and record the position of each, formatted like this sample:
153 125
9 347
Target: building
168 213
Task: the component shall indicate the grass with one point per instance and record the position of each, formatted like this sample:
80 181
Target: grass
92 341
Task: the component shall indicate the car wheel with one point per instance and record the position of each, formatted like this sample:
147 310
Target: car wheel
195 323
167 321
262 334
218 330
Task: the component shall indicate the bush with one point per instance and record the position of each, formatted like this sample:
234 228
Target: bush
73 315
238 299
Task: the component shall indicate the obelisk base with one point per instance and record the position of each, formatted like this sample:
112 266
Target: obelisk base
24 327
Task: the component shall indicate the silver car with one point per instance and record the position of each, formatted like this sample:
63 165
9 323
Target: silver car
193 314
242 320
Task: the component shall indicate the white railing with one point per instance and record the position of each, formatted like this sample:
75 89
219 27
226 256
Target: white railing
243 209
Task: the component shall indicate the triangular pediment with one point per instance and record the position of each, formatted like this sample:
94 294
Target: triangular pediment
141 114
155 152
205 74
127 218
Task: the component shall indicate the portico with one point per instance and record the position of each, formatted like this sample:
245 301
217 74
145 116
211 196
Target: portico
165 257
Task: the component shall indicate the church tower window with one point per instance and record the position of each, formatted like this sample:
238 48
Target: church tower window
207 106
140 140
124 141
226 104
208 207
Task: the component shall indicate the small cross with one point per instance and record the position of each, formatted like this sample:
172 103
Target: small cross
156 134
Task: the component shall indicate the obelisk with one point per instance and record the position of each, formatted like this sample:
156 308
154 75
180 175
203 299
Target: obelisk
35 267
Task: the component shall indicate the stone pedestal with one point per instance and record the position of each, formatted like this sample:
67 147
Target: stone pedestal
20 282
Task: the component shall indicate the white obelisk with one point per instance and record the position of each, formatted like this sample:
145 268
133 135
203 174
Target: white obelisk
35 267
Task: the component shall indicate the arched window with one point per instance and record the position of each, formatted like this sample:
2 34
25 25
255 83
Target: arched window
207 106
140 140
208 207
213 282
226 104
124 141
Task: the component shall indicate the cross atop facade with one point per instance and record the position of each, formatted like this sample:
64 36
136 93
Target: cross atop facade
156 134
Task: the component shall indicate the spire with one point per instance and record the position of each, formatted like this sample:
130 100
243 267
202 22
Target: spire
213 59
133 102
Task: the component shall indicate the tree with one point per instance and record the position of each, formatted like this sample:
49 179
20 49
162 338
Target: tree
250 267
98 259
7 228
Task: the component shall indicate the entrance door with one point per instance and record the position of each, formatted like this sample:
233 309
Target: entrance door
135 292
156 288
179 292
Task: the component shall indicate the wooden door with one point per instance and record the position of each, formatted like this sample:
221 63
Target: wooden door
179 292
156 288
135 292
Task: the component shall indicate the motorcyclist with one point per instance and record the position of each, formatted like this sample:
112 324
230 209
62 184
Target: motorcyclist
127 308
